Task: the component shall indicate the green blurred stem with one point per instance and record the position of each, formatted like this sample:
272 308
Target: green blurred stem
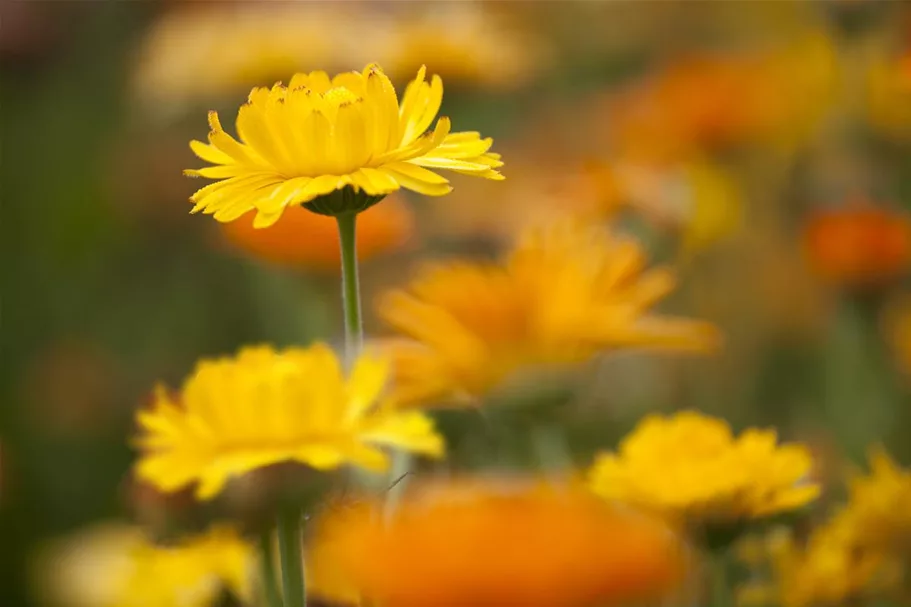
351 297
721 596
549 444
289 547
267 570
398 478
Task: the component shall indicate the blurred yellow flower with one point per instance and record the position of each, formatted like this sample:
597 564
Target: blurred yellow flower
880 506
565 293
495 542
861 553
115 565
264 407
692 469
889 95
828 570
183 58
336 145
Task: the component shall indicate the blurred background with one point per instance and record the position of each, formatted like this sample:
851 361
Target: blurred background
761 148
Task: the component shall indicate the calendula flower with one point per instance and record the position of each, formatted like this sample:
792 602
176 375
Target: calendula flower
861 553
828 569
563 294
310 241
721 100
693 470
264 407
495 542
335 145
116 565
859 245
880 506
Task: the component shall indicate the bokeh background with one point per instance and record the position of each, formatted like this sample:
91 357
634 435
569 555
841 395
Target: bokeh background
762 148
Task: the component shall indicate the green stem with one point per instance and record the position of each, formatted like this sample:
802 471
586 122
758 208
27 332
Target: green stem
267 570
351 297
549 444
398 478
289 547
720 592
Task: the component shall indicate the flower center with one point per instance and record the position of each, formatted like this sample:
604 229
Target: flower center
339 95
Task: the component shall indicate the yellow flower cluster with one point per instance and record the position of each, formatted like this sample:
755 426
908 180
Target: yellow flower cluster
692 469
263 407
862 553
565 293
116 565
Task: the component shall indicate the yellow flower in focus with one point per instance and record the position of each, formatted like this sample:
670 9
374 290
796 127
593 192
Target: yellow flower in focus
263 407
115 565
336 145
692 469
565 293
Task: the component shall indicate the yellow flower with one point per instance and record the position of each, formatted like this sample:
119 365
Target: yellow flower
115 565
335 145
880 506
692 469
828 569
263 407
565 293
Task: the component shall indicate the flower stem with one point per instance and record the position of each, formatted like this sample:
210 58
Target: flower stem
398 478
351 297
719 571
289 546
267 570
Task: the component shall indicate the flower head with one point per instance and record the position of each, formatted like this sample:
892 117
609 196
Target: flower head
336 145
263 407
307 240
499 542
692 469
859 245
880 506
116 565
565 293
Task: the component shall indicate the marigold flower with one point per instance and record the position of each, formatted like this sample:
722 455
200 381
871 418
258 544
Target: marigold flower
691 468
263 407
336 145
859 245
495 543
880 505
828 569
860 553
116 565
308 240
565 293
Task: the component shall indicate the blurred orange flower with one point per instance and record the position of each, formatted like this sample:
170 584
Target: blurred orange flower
859 245
719 100
499 543
308 240
566 293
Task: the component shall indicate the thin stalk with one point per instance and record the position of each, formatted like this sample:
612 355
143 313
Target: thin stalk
351 297
398 478
289 547
721 596
267 570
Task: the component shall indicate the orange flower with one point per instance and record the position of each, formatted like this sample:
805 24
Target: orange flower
308 240
489 543
858 245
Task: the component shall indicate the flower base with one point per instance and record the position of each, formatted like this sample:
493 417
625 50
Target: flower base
345 200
